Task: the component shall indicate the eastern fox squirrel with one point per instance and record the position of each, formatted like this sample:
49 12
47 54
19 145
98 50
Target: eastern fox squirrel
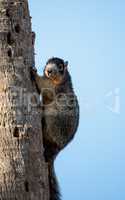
60 113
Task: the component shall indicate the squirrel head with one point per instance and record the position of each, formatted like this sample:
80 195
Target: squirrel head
56 70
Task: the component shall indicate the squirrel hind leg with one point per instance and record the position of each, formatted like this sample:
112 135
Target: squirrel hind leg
50 151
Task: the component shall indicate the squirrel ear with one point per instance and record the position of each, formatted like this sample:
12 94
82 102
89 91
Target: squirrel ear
66 63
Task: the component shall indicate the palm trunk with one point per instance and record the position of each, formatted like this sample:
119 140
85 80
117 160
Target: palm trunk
23 171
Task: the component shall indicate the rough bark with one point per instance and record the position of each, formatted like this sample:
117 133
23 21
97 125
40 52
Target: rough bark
23 171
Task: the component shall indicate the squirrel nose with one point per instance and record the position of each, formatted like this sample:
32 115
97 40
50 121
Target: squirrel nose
49 71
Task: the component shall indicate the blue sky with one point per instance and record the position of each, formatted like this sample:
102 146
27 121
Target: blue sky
91 36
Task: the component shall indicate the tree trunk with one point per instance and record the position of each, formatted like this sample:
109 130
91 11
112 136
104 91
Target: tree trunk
23 171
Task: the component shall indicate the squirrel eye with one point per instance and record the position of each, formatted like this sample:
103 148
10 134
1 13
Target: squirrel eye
60 67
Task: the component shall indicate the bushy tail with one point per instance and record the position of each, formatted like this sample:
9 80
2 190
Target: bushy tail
53 183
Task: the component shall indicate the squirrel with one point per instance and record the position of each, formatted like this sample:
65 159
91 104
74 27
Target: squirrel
60 113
